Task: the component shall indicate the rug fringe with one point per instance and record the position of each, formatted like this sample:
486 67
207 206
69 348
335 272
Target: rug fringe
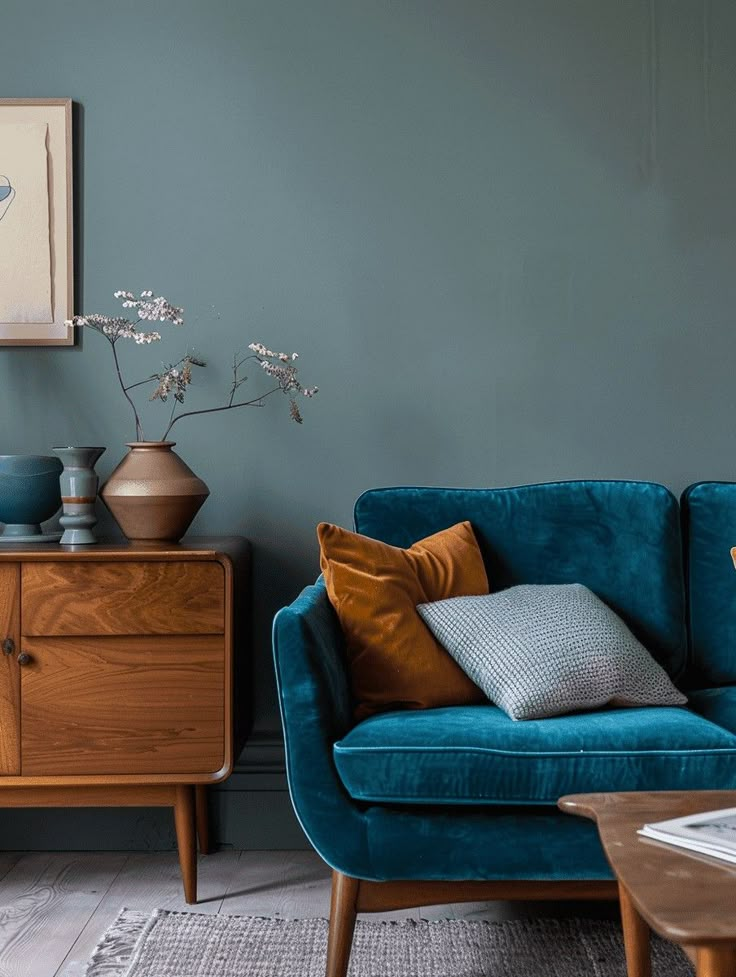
112 954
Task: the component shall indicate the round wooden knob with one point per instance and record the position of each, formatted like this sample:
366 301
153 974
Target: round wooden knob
24 659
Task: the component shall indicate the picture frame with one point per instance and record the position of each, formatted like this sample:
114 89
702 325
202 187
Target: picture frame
36 222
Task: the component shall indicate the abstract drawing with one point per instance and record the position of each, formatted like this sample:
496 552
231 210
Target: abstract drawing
7 192
36 247
25 247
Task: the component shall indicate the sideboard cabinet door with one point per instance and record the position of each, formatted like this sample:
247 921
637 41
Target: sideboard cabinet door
123 705
9 670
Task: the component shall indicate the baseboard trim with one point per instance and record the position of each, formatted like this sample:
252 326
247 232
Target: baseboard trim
252 808
263 753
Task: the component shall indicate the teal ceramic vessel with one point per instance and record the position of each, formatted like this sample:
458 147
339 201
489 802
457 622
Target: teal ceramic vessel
29 495
79 483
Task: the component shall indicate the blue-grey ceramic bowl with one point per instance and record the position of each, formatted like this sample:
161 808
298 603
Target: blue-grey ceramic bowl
29 491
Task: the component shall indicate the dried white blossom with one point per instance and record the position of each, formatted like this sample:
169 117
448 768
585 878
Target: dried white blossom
150 307
159 310
260 350
114 328
285 376
175 378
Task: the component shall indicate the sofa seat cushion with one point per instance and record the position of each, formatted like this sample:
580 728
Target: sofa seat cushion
477 755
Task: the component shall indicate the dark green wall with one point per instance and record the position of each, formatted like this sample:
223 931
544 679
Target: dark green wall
501 234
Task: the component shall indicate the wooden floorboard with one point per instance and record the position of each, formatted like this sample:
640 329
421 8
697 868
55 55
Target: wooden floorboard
285 884
288 885
7 860
45 901
147 882
55 907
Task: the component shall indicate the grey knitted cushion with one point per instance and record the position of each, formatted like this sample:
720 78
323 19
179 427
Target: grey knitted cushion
542 650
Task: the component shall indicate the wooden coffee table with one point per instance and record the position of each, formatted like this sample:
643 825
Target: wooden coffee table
685 897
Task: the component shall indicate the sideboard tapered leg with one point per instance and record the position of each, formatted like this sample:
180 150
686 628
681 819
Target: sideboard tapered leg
186 839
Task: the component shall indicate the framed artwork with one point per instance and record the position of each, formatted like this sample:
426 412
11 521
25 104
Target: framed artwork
36 239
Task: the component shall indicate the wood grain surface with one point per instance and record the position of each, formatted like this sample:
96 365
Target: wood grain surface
42 897
123 705
683 896
152 597
715 961
119 685
86 795
9 671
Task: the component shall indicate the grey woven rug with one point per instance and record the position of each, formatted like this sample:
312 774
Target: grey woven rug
170 944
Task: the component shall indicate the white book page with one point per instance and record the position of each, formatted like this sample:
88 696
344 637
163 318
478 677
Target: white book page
689 844
712 829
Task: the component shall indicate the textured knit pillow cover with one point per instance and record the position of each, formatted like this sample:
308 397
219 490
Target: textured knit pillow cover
395 663
542 650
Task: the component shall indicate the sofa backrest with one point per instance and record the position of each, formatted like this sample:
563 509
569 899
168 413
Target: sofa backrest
621 539
709 529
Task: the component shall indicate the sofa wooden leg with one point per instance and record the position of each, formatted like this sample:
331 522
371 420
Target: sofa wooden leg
342 923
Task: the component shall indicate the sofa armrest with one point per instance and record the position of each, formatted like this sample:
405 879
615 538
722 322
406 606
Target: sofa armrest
316 710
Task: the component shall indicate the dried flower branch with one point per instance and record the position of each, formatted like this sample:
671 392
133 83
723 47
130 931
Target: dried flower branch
284 375
175 378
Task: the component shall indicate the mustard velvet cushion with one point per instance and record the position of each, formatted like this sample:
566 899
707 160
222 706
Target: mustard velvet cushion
395 662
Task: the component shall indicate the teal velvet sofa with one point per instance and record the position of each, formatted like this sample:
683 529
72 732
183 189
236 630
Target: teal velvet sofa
417 807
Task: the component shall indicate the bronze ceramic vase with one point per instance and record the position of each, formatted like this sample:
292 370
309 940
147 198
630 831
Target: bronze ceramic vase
152 494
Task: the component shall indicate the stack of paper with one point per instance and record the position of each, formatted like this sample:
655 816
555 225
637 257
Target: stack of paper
712 833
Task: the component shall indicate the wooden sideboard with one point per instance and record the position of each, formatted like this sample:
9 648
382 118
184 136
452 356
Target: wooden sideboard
124 677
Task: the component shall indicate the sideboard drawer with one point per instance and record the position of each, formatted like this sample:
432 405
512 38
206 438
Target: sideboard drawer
133 705
85 598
